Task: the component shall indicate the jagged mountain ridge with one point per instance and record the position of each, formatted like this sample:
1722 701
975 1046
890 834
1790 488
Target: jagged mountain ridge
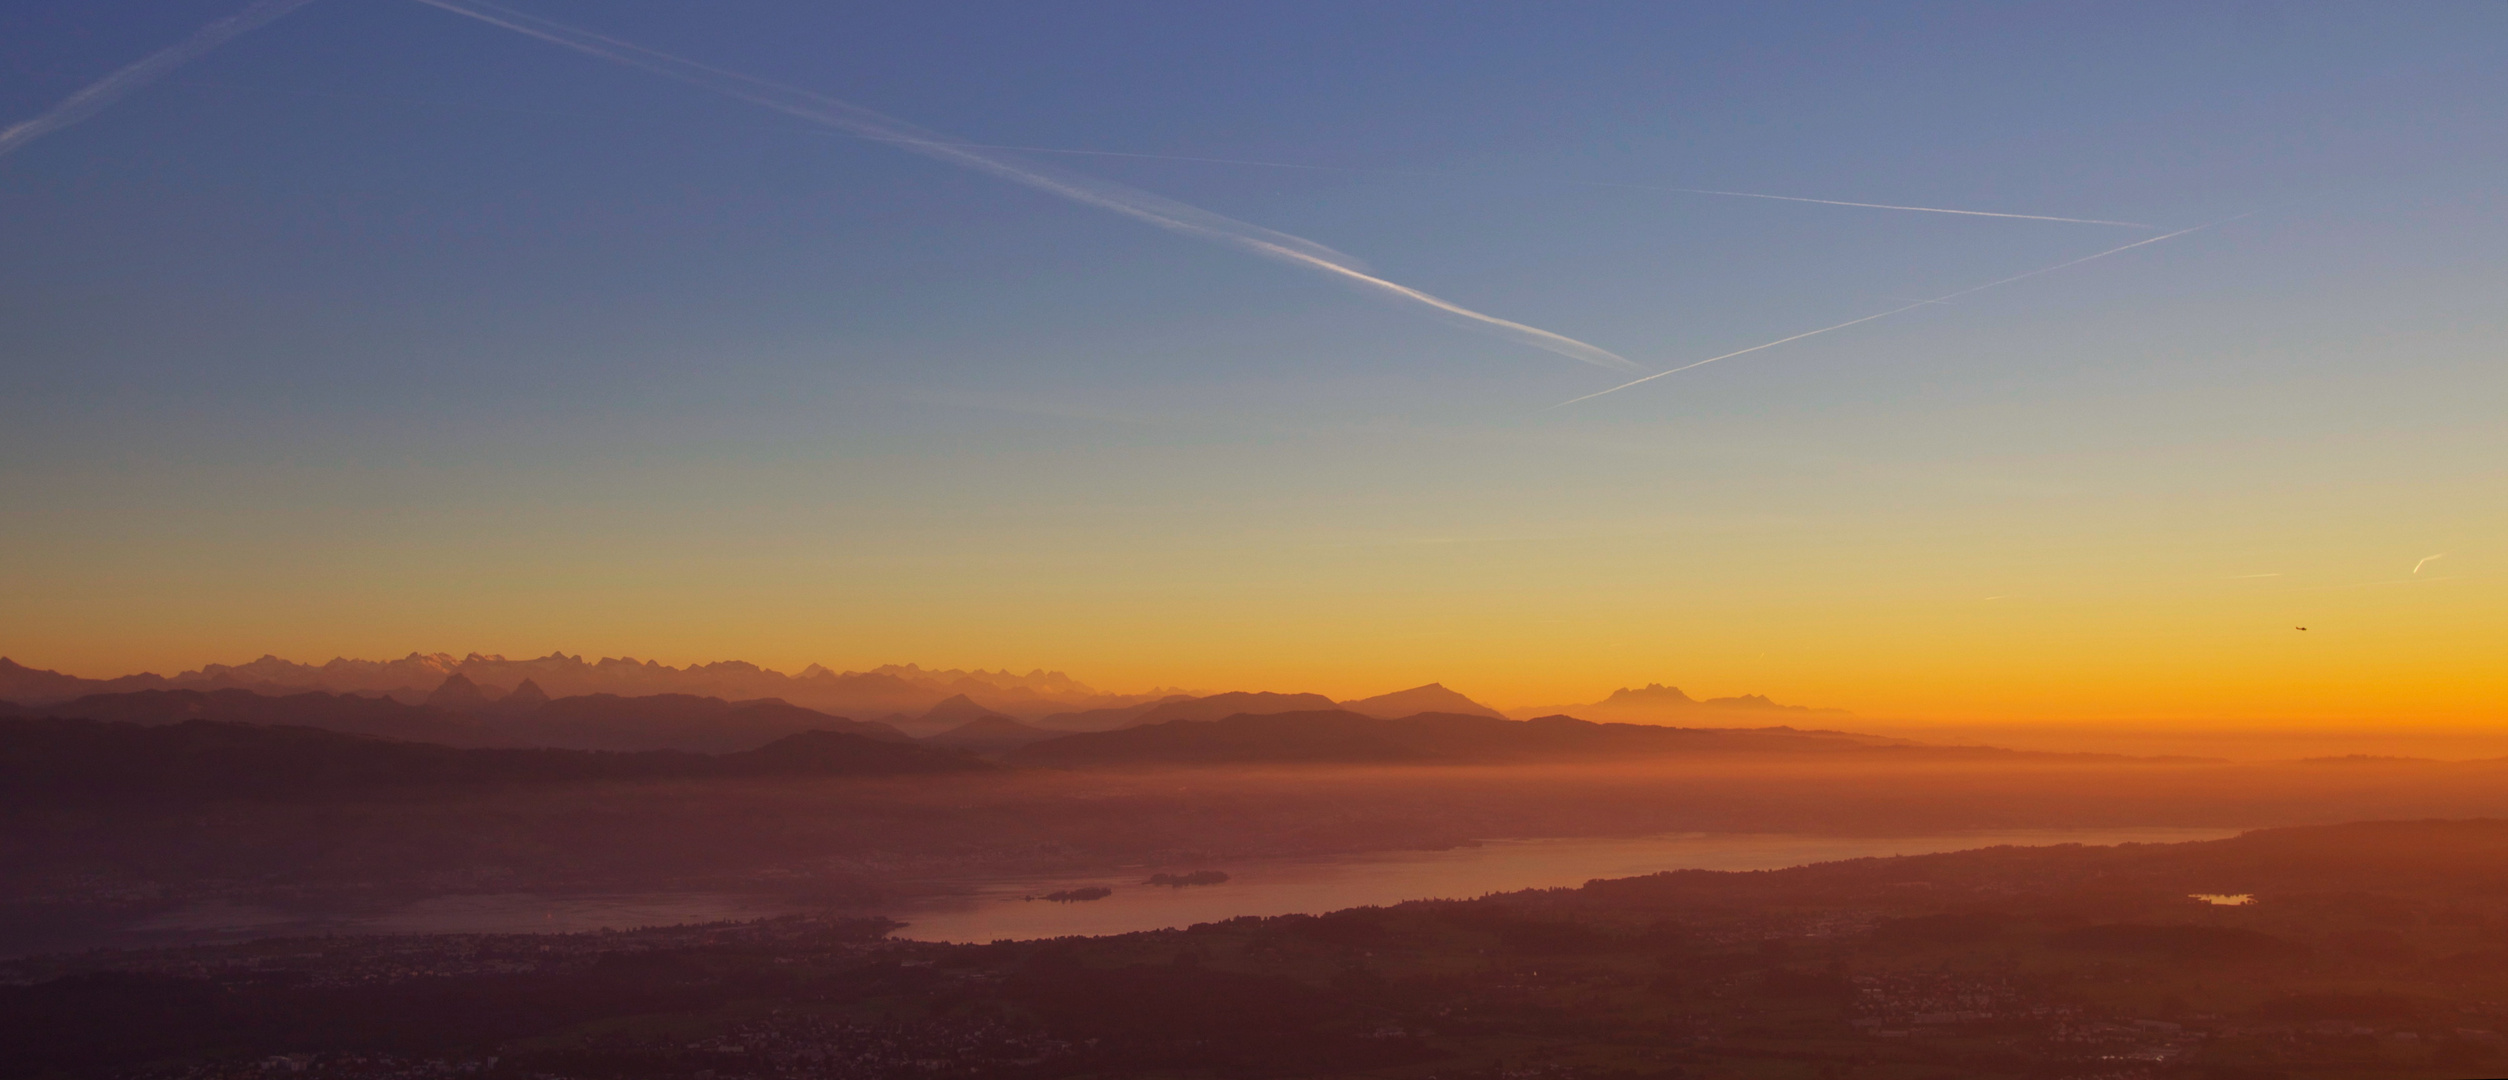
1656 703
896 689
1432 698
900 694
586 722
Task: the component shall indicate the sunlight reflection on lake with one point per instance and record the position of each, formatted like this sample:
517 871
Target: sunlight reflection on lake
993 908
1281 887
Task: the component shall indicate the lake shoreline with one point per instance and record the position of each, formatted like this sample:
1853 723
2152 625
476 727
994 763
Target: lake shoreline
976 908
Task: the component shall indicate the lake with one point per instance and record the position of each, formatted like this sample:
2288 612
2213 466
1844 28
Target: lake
997 908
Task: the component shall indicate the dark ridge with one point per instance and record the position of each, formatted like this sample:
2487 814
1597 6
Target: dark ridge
678 722
587 722
380 717
989 735
1182 707
53 760
458 694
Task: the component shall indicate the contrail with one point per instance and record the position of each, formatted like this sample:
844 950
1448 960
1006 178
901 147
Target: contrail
1141 206
112 88
1304 166
2416 567
1865 205
1578 183
1358 170
1944 298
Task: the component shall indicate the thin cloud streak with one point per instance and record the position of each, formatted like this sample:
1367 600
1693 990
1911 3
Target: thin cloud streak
1141 206
104 92
1944 298
2416 567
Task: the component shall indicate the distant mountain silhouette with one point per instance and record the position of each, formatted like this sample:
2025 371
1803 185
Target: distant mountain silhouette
589 722
1432 698
1106 719
524 697
19 683
33 686
952 712
54 760
1346 737
1182 707
989 735
376 716
674 722
1656 703
902 689
458 694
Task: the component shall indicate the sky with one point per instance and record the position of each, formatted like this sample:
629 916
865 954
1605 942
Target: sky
378 328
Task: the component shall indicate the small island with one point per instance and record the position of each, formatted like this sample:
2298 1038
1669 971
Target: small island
1198 877
1072 896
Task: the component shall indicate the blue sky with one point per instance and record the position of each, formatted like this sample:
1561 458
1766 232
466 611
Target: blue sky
380 329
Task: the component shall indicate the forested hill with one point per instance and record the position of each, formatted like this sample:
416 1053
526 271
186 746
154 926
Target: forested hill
48 760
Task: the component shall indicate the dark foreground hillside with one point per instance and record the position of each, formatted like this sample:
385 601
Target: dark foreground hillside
2356 952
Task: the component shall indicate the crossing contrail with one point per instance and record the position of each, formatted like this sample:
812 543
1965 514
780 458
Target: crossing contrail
112 88
1141 206
1945 297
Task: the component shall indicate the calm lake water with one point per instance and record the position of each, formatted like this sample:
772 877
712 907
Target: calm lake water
999 908
993 909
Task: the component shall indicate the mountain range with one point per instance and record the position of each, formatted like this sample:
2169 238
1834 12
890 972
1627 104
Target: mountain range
1656 703
890 690
921 700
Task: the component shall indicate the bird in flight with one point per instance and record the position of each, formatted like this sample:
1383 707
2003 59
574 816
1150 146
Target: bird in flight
2298 628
